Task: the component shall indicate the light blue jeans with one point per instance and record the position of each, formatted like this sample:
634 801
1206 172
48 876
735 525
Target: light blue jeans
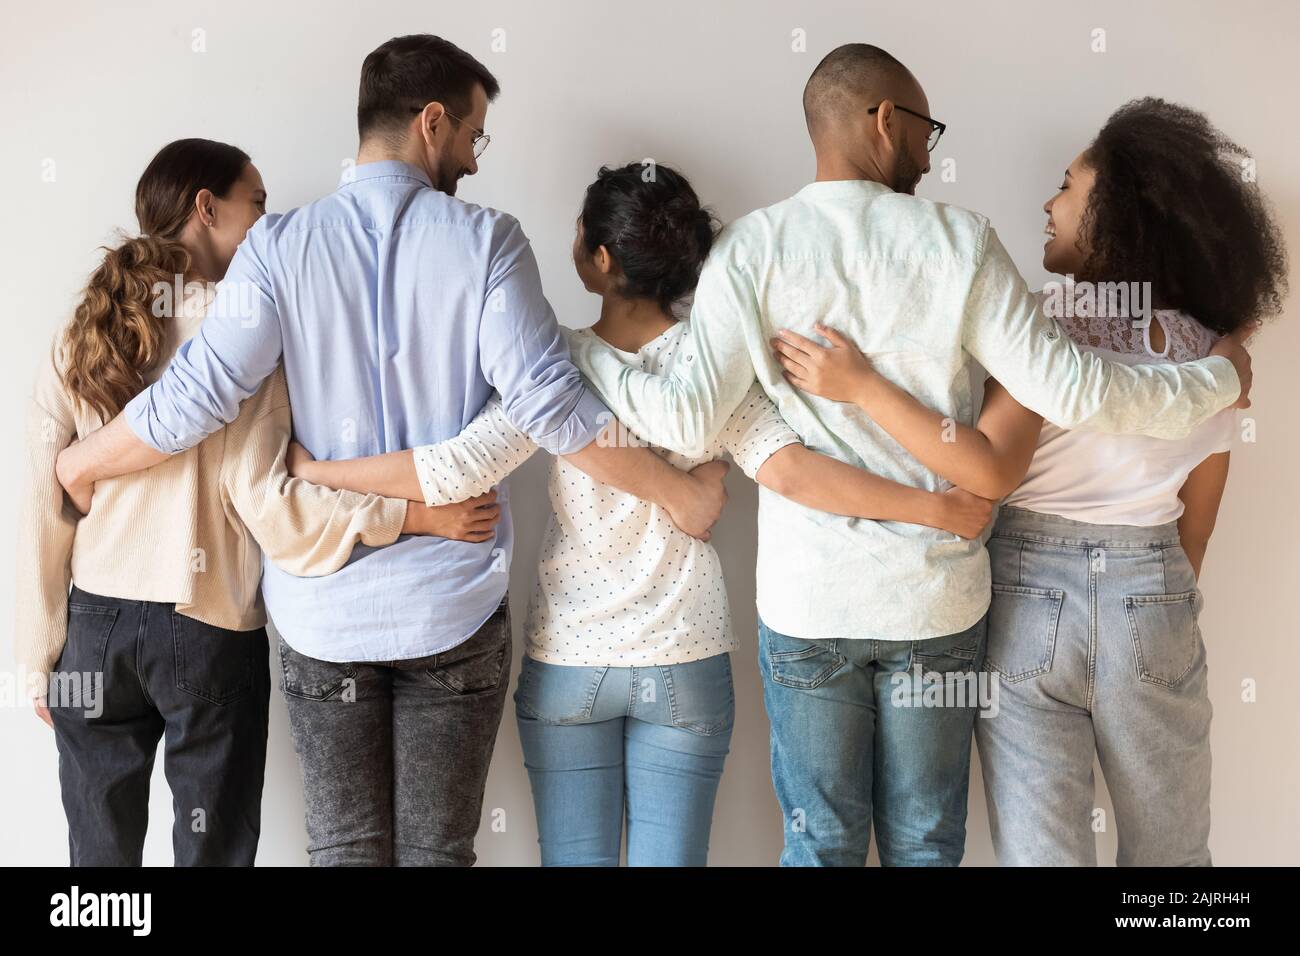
602 743
1093 634
867 730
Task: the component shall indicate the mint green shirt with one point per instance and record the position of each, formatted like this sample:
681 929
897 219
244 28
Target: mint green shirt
928 293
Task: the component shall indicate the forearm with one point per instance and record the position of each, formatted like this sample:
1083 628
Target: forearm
656 407
825 484
961 454
1195 543
302 527
237 346
635 470
392 475
44 576
685 409
310 531
1008 332
477 460
1159 400
107 453
46 531
1201 496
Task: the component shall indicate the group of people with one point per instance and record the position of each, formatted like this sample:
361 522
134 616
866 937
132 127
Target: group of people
832 349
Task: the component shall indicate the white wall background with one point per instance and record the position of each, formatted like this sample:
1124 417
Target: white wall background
713 88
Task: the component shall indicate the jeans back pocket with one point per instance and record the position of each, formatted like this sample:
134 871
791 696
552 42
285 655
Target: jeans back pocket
557 693
1165 635
475 665
701 695
80 667
959 653
1022 631
799 662
213 663
312 679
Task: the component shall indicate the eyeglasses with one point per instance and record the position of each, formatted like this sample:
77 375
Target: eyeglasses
481 139
936 128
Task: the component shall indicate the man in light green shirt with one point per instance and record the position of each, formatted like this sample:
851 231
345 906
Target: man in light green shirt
926 290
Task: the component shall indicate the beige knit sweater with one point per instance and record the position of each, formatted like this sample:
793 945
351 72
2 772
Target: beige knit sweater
189 531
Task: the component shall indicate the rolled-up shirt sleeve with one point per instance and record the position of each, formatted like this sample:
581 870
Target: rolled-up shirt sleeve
524 355
471 463
236 347
1007 331
756 431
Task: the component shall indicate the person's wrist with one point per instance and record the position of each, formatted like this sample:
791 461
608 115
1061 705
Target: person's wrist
306 470
417 519
672 488
69 468
407 518
938 508
868 390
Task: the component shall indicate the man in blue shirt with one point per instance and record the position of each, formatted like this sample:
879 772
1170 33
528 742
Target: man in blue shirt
396 310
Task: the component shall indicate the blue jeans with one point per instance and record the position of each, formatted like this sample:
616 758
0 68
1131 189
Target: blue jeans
1093 635
855 741
602 742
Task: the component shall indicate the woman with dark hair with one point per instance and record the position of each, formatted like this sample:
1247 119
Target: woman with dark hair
1098 548
625 703
138 612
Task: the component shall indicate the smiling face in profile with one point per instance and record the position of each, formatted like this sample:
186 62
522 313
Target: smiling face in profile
1066 250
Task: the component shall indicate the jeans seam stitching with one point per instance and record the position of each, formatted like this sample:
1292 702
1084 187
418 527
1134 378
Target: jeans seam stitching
139 634
1092 633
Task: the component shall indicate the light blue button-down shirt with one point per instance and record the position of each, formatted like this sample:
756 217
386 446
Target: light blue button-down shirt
397 311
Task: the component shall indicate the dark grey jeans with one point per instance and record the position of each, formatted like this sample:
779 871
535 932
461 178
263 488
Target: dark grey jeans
135 672
395 754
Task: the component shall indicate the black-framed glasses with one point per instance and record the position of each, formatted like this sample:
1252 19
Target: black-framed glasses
481 139
936 128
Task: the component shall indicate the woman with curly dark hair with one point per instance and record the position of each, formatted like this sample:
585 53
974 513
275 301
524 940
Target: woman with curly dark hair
1166 244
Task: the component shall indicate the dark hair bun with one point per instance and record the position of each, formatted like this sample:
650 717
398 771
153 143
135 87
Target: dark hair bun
652 223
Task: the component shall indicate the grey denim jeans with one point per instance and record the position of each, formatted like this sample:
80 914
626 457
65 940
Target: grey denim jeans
395 754
1093 634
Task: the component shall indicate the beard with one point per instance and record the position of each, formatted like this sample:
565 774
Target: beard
448 176
908 173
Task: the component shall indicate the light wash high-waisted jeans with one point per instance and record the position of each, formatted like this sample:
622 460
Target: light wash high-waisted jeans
1093 633
646 743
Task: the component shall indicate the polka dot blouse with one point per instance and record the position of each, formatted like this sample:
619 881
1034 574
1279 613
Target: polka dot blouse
617 583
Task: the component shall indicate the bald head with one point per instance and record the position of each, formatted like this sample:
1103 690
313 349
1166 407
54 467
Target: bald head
848 81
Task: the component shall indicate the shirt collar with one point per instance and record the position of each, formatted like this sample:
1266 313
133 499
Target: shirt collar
386 169
841 187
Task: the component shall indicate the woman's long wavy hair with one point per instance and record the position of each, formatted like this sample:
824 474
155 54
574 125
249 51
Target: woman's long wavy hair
115 338
1175 204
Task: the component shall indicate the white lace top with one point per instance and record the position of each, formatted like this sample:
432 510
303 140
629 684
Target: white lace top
1123 479
618 584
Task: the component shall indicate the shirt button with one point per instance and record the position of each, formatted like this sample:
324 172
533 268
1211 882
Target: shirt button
1049 334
